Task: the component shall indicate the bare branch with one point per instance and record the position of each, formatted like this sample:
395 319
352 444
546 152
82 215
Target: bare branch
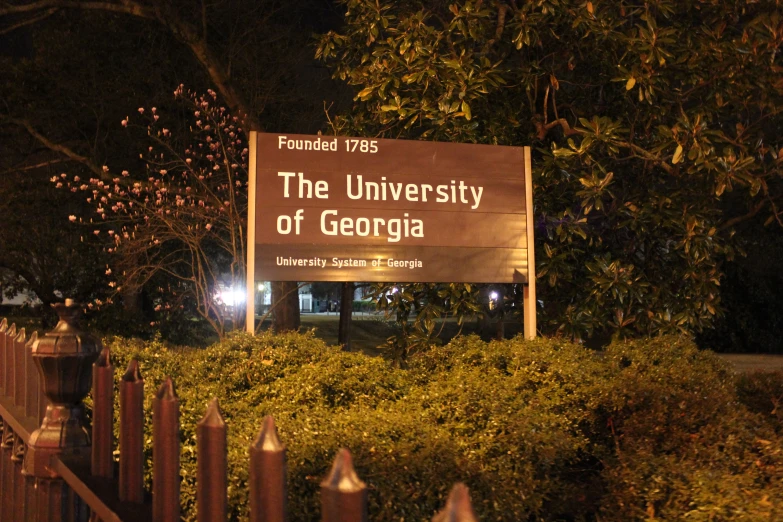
29 21
124 6
33 167
543 128
181 29
751 213
56 147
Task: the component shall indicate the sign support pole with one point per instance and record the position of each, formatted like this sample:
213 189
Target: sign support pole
250 270
529 290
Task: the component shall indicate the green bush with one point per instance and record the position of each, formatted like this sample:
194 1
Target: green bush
539 430
684 448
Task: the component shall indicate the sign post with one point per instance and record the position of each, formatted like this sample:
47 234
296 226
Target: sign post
326 208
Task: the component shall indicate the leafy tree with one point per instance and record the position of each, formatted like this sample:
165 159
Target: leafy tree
44 258
655 128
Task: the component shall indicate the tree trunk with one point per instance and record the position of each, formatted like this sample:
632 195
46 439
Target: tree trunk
346 314
285 302
131 301
500 330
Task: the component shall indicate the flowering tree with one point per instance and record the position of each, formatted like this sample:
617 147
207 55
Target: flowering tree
178 230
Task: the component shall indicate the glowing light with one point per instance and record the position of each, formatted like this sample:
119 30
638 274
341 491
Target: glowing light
493 296
261 287
232 297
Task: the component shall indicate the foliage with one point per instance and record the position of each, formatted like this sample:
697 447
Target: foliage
539 430
684 447
39 257
72 70
178 230
643 117
762 392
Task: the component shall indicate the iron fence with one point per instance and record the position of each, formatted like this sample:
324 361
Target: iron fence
56 468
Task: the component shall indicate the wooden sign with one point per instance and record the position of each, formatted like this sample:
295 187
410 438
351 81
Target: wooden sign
333 208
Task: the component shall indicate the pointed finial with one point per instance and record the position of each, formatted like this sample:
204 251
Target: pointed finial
458 507
343 476
212 417
166 391
267 439
133 373
104 358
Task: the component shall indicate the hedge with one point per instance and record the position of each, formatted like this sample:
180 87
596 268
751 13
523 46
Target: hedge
539 430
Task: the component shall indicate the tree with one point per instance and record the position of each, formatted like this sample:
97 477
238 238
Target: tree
181 226
40 256
644 117
252 53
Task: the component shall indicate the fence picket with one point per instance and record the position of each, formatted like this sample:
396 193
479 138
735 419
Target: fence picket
165 454
267 481
212 480
458 507
32 385
132 434
10 361
102 415
343 494
17 457
20 371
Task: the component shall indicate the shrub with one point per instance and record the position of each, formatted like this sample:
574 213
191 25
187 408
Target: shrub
539 430
683 446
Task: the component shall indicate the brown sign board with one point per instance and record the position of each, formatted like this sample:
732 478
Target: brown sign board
376 210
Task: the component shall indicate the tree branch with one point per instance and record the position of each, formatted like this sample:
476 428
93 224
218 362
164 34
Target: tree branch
32 167
56 147
29 21
181 29
543 128
739 219
124 7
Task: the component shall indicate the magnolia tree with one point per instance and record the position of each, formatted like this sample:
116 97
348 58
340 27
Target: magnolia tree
177 229
655 130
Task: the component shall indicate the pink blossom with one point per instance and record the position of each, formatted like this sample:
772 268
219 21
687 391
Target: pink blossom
71 218
125 173
105 168
141 110
124 123
96 232
53 179
108 271
208 226
77 179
